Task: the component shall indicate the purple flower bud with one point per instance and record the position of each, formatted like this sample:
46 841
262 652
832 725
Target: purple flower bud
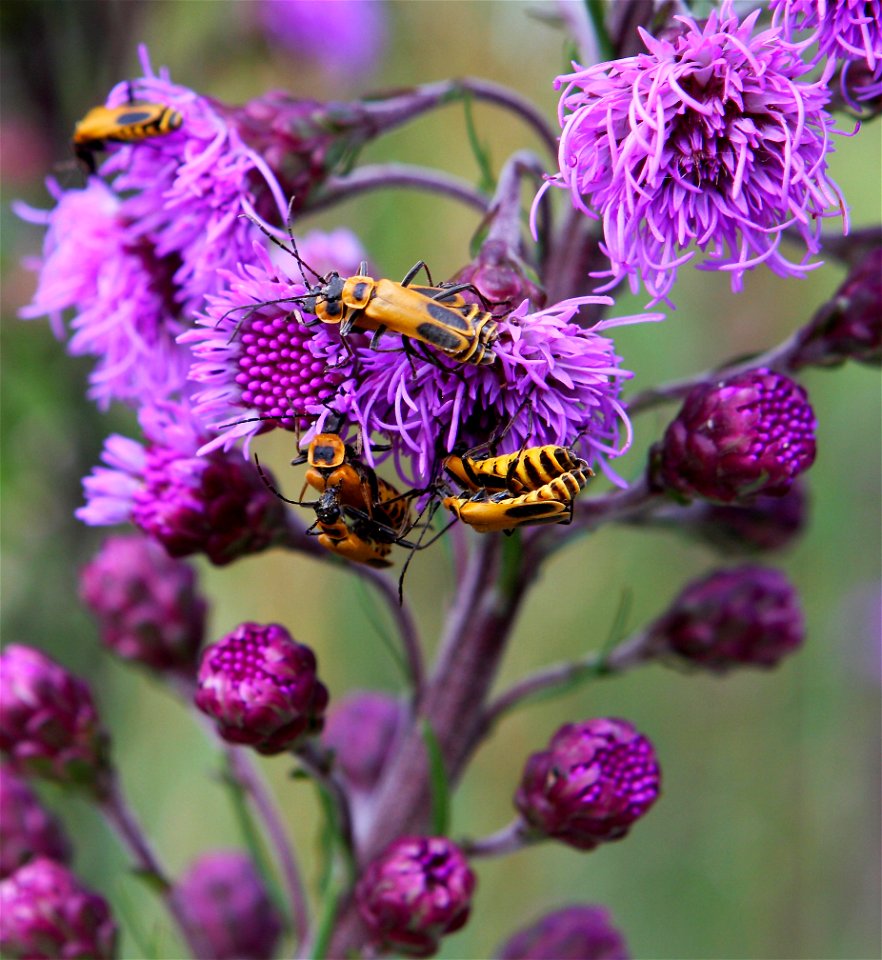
361 729
850 325
573 933
594 780
46 914
261 688
27 829
227 908
414 893
49 726
501 278
147 604
747 616
750 434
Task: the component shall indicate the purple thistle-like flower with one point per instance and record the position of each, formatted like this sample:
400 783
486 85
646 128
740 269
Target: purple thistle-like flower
261 688
708 140
227 908
147 604
47 914
119 288
571 933
267 368
747 616
850 325
417 891
361 729
849 30
217 504
753 433
553 382
592 783
27 828
49 726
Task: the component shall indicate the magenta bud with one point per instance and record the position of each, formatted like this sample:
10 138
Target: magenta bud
592 783
748 616
753 433
27 829
416 892
850 325
227 908
49 726
572 933
147 604
261 688
361 729
501 278
46 914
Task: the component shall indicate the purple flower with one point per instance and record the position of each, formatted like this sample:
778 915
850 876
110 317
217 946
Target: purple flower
120 290
147 604
849 30
746 616
354 30
49 726
227 908
417 891
47 914
592 783
261 688
217 504
361 729
752 433
708 140
553 382
572 933
500 277
850 325
27 829
264 368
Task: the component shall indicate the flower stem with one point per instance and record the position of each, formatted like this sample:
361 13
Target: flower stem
507 840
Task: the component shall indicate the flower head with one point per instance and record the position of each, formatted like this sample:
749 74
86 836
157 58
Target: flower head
747 616
415 892
708 140
46 913
49 726
27 828
572 933
361 730
217 504
227 908
261 688
147 603
849 30
120 290
752 433
592 783
850 325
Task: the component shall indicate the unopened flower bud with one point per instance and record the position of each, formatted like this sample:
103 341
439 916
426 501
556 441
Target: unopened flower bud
227 909
46 914
746 616
573 933
49 726
850 325
501 278
753 433
27 828
361 728
261 688
592 783
147 603
416 892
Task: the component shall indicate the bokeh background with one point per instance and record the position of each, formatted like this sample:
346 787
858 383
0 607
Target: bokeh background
765 843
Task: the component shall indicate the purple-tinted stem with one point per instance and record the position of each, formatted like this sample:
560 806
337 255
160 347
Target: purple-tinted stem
626 654
381 176
248 777
507 840
852 247
318 764
121 818
506 207
622 505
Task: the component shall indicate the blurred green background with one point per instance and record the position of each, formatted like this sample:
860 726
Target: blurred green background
765 843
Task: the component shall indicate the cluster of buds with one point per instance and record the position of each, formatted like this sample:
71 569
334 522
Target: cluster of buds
572 933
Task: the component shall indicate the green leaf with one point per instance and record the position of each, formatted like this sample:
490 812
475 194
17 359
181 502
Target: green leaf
438 781
487 182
